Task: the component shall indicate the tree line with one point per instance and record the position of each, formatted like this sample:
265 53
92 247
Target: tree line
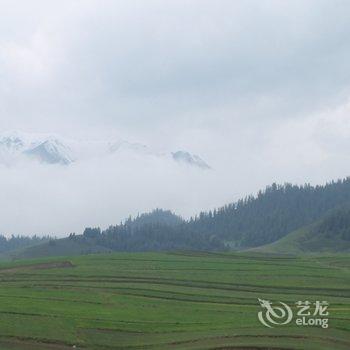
249 222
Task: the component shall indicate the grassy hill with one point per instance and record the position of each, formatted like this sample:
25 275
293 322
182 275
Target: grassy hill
162 301
304 241
58 247
271 214
329 235
280 219
315 238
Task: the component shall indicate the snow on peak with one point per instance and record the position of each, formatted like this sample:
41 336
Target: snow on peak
45 148
11 142
190 159
51 149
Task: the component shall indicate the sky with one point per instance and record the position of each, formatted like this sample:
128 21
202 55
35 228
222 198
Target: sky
259 89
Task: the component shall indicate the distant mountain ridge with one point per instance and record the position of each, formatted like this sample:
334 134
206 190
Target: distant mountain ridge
53 149
51 152
286 219
190 159
44 148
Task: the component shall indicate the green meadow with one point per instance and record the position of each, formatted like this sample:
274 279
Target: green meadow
165 301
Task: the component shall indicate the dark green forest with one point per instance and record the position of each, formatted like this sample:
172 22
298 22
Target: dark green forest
335 225
17 242
250 222
272 213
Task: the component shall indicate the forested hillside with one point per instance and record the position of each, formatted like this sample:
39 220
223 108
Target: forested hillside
331 234
335 225
250 222
273 213
158 230
165 217
17 242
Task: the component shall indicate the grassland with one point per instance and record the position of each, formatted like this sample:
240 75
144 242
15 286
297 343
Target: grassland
169 301
305 241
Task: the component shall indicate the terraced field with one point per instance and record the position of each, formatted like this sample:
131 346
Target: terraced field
169 301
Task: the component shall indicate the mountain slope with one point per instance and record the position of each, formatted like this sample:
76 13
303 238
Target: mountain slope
328 235
52 152
297 218
45 148
184 157
160 230
157 216
272 213
18 243
58 247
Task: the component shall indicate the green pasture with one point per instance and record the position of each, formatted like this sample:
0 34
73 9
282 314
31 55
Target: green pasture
169 301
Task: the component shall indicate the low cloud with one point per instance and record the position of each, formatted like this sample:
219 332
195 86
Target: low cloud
259 89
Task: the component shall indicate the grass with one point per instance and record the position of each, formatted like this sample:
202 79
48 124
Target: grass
305 241
169 301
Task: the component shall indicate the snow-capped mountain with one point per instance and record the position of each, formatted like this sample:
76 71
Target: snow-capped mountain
52 149
189 159
43 148
11 142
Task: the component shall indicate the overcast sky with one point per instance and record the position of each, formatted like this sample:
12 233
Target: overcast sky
259 89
